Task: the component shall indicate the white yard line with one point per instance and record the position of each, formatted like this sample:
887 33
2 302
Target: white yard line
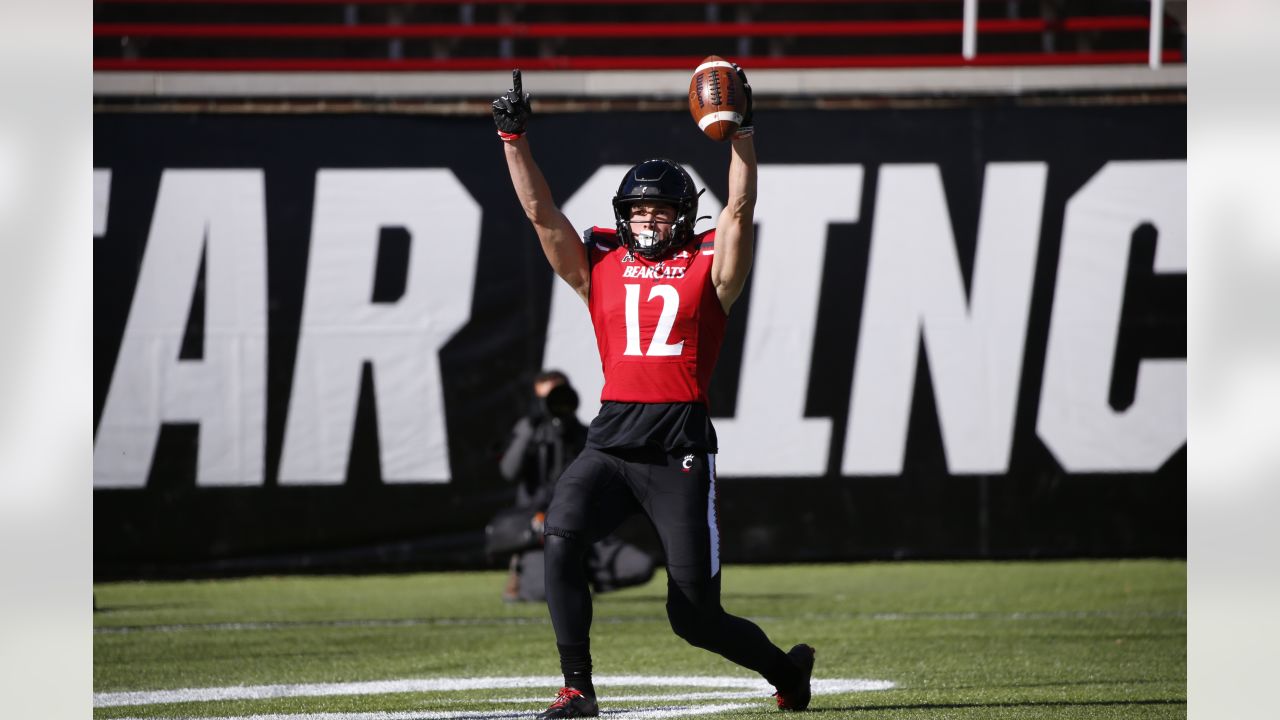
747 686
409 622
631 714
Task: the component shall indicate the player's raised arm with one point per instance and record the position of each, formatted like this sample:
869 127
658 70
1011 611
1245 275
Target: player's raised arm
560 242
735 231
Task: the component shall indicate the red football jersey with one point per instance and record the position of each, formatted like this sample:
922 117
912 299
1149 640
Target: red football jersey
659 324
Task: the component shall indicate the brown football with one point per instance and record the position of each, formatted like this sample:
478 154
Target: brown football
716 98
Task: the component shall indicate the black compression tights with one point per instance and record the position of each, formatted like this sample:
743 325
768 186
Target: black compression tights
702 622
569 601
568 595
695 615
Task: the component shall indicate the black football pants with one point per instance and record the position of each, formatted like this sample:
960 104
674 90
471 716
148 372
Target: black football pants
678 493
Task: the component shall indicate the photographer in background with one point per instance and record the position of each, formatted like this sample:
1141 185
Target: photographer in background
545 441
542 445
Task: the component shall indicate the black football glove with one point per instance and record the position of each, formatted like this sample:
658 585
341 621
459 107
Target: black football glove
511 111
748 117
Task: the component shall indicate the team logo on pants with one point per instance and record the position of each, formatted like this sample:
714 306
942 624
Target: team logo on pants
688 463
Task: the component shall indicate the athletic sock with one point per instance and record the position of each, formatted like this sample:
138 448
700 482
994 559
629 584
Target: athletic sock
782 672
575 663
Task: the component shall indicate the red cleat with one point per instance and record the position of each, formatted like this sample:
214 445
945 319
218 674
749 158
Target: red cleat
797 698
570 703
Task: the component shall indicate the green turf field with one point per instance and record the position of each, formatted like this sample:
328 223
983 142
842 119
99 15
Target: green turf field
947 640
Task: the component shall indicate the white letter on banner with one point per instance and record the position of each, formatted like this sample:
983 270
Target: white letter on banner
975 347
101 197
769 435
1076 422
222 214
571 339
342 328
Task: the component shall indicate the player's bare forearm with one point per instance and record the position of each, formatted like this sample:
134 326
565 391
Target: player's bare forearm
735 232
530 185
556 234
742 176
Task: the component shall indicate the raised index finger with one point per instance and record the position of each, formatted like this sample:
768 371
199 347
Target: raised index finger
515 83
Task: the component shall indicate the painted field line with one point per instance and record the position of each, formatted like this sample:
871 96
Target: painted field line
437 685
270 625
997 616
406 622
632 714
446 622
681 697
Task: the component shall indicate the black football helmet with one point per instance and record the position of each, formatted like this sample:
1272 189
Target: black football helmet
663 181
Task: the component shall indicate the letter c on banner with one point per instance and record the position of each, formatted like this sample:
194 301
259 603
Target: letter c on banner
1076 421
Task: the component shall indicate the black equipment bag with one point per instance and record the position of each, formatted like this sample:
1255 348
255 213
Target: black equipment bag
613 565
511 531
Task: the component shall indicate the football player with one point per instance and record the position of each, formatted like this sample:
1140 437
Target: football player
659 295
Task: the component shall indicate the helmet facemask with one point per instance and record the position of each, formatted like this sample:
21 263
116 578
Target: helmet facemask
649 242
654 182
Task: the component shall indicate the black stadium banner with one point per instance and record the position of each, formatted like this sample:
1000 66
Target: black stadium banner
964 334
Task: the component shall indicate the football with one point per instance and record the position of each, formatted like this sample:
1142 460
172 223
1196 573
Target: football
716 98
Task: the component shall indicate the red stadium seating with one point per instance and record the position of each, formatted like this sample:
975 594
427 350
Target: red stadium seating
418 35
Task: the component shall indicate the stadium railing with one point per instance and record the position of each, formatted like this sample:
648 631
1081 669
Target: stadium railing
430 35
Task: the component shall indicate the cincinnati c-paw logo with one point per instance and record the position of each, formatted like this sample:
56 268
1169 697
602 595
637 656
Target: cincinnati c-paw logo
688 463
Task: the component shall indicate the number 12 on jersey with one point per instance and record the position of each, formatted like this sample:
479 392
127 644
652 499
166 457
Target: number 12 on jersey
659 346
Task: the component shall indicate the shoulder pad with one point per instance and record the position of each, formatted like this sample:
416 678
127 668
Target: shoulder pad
706 240
604 239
